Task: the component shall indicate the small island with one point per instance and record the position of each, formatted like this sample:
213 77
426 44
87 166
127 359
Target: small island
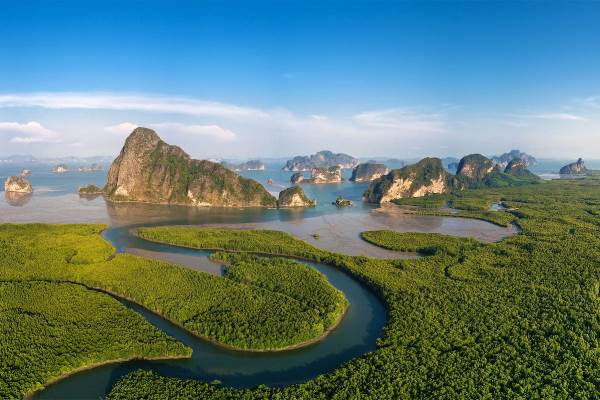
17 184
90 190
294 197
322 159
60 169
367 172
576 168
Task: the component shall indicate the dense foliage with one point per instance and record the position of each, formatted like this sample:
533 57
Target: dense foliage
49 329
516 319
424 243
229 312
290 278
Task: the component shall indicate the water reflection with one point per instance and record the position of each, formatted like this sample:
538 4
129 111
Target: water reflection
17 199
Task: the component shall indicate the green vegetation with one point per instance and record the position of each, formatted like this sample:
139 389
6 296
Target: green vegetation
290 278
424 243
226 311
50 329
516 319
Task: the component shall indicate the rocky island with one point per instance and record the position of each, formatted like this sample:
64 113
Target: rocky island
152 171
368 172
90 190
25 172
576 168
503 159
425 177
322 159
60 169
294 197
428 176
296 178
474 167
326 175
17 184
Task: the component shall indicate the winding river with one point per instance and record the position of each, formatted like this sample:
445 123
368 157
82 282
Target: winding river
356 335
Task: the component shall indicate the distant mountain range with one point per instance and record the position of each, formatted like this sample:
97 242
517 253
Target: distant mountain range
29 159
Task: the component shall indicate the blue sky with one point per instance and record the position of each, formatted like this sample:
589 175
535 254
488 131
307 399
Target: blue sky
245 79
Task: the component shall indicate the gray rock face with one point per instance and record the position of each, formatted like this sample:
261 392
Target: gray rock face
368 172
296 178
25 173
322 159
576 168
474 167
294 197
150 170
326 175
17 184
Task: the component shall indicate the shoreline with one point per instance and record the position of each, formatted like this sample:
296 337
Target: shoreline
31 394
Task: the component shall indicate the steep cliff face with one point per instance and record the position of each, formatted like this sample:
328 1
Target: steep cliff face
368 172
150 170
474 167
425 177
326 175
322 159
17 184
294 197
576 168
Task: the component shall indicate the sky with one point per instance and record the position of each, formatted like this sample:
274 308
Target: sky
253 79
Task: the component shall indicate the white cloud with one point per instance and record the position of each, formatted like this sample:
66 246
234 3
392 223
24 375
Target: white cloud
214 131
124 128
558 117
404 119
134 102
30 132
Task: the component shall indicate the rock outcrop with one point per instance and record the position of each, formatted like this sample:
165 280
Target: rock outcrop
90 190
150 170
60 169
503 159
368 172
297 178
341 202
474 167
326 175
294 197
425 177
576 168
25 173
322 159
518 168
17 184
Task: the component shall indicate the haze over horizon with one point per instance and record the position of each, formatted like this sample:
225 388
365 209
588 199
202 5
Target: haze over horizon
275 79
